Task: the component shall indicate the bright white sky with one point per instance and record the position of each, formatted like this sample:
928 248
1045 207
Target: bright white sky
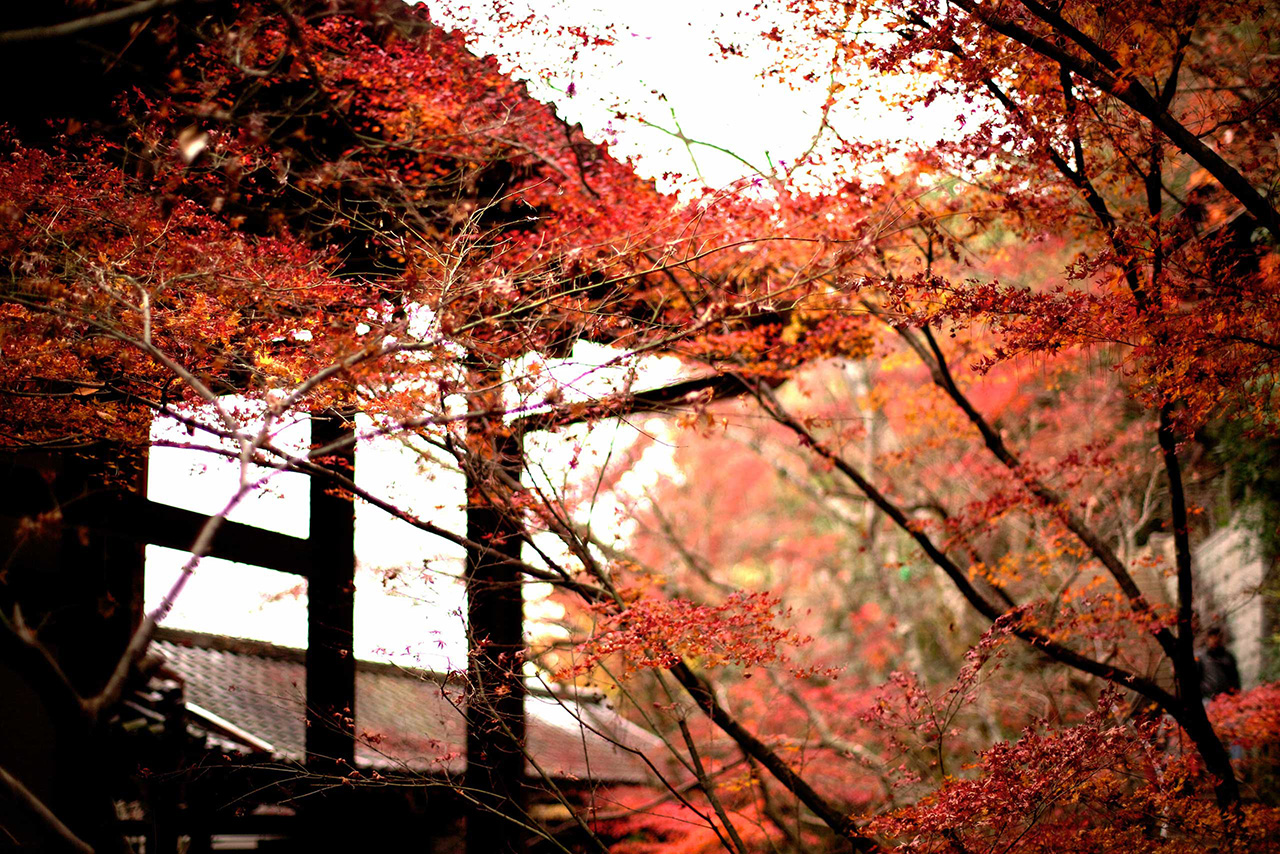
666 66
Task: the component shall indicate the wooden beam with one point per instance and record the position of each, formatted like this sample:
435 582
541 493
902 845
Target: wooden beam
675 397
131 517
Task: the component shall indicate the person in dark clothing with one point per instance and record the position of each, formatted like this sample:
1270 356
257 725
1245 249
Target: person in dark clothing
1217 666
1218 674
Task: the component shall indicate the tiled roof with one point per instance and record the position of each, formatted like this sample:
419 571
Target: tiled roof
250 695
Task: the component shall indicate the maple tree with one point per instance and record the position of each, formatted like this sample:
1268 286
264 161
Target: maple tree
345 210
1167 302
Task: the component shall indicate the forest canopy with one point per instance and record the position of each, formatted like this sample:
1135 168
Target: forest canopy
952 418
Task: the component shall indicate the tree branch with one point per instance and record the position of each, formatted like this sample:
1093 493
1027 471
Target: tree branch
717 386
23 651
1182 555
36 807
1035 637
834 817
941 374
709 788
89 22
1077 176
1105 74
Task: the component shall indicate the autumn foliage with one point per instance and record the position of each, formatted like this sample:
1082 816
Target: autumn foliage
947 426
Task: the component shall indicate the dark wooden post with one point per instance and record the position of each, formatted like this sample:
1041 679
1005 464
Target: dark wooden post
331 663
495 633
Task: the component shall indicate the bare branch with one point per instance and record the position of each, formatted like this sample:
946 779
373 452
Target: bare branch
709 788
1035 637
89 22
833 816
936 362
36 807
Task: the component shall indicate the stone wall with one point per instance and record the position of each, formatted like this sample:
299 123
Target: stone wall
1230 570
